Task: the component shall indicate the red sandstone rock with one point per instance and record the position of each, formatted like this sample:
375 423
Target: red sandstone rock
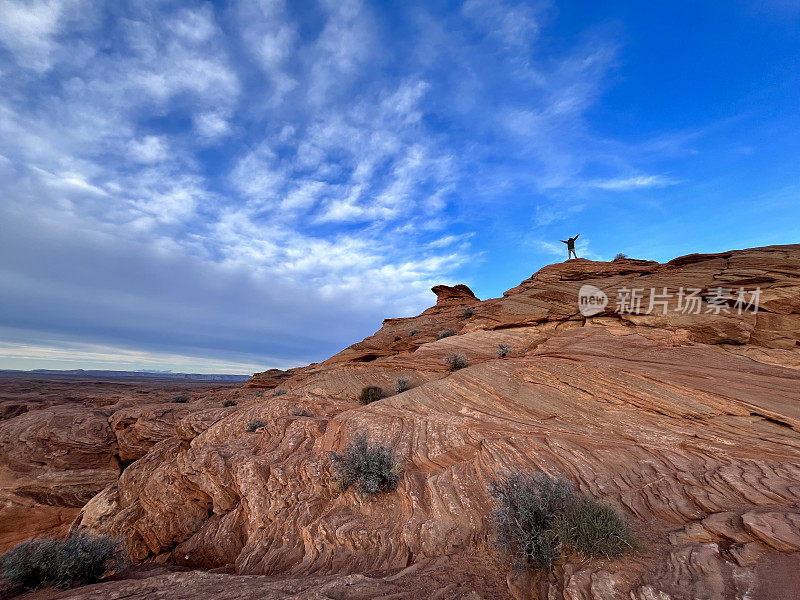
269 379
63 441
446 294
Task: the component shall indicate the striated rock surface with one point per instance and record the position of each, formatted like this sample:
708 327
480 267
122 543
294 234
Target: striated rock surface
62 442
436 579
54 460
688 422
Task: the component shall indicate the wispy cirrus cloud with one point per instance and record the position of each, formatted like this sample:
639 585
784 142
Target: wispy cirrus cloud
635 182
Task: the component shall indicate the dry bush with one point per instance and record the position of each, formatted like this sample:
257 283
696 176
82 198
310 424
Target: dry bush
253 425
80 559
370 394
537 517
372 470
456 361
402 383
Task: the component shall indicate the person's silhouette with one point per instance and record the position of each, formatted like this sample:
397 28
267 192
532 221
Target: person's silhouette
570 242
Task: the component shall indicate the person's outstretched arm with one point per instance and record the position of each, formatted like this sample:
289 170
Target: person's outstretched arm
577 236
564 242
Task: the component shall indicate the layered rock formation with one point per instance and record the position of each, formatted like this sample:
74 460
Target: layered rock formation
688 423
62 442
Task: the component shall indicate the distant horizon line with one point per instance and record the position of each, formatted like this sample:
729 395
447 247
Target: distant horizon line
123 373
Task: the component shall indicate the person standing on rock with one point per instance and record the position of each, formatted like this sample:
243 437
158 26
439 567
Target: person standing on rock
570 242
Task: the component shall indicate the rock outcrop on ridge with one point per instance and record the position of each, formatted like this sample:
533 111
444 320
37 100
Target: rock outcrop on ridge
688 422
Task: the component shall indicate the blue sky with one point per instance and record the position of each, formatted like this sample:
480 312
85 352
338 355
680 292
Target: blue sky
228 187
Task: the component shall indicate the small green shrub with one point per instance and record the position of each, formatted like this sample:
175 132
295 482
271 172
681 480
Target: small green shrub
253 425
277 393
413 332
538 517
503 350
370 394
456 361
446 333
591 528
372 470
397 338
402 383
467 312
227 403
180 399
620 256
80 559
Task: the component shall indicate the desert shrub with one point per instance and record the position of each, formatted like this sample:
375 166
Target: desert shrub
180 399
228 402
80 559
456 361
467 312
537 517
413 332
253 425
445 333
592 528
402 383
372 470
526 517
503 350
277 393
397 338
620 256
370 394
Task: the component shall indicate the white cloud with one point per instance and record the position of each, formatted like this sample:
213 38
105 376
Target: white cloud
270 36
303 197
27 28
149 149
515 25
69 182
344 210
211 125
636 182
450 240
346 43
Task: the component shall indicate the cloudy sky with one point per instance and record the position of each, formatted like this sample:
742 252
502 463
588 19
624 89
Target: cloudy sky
228 187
